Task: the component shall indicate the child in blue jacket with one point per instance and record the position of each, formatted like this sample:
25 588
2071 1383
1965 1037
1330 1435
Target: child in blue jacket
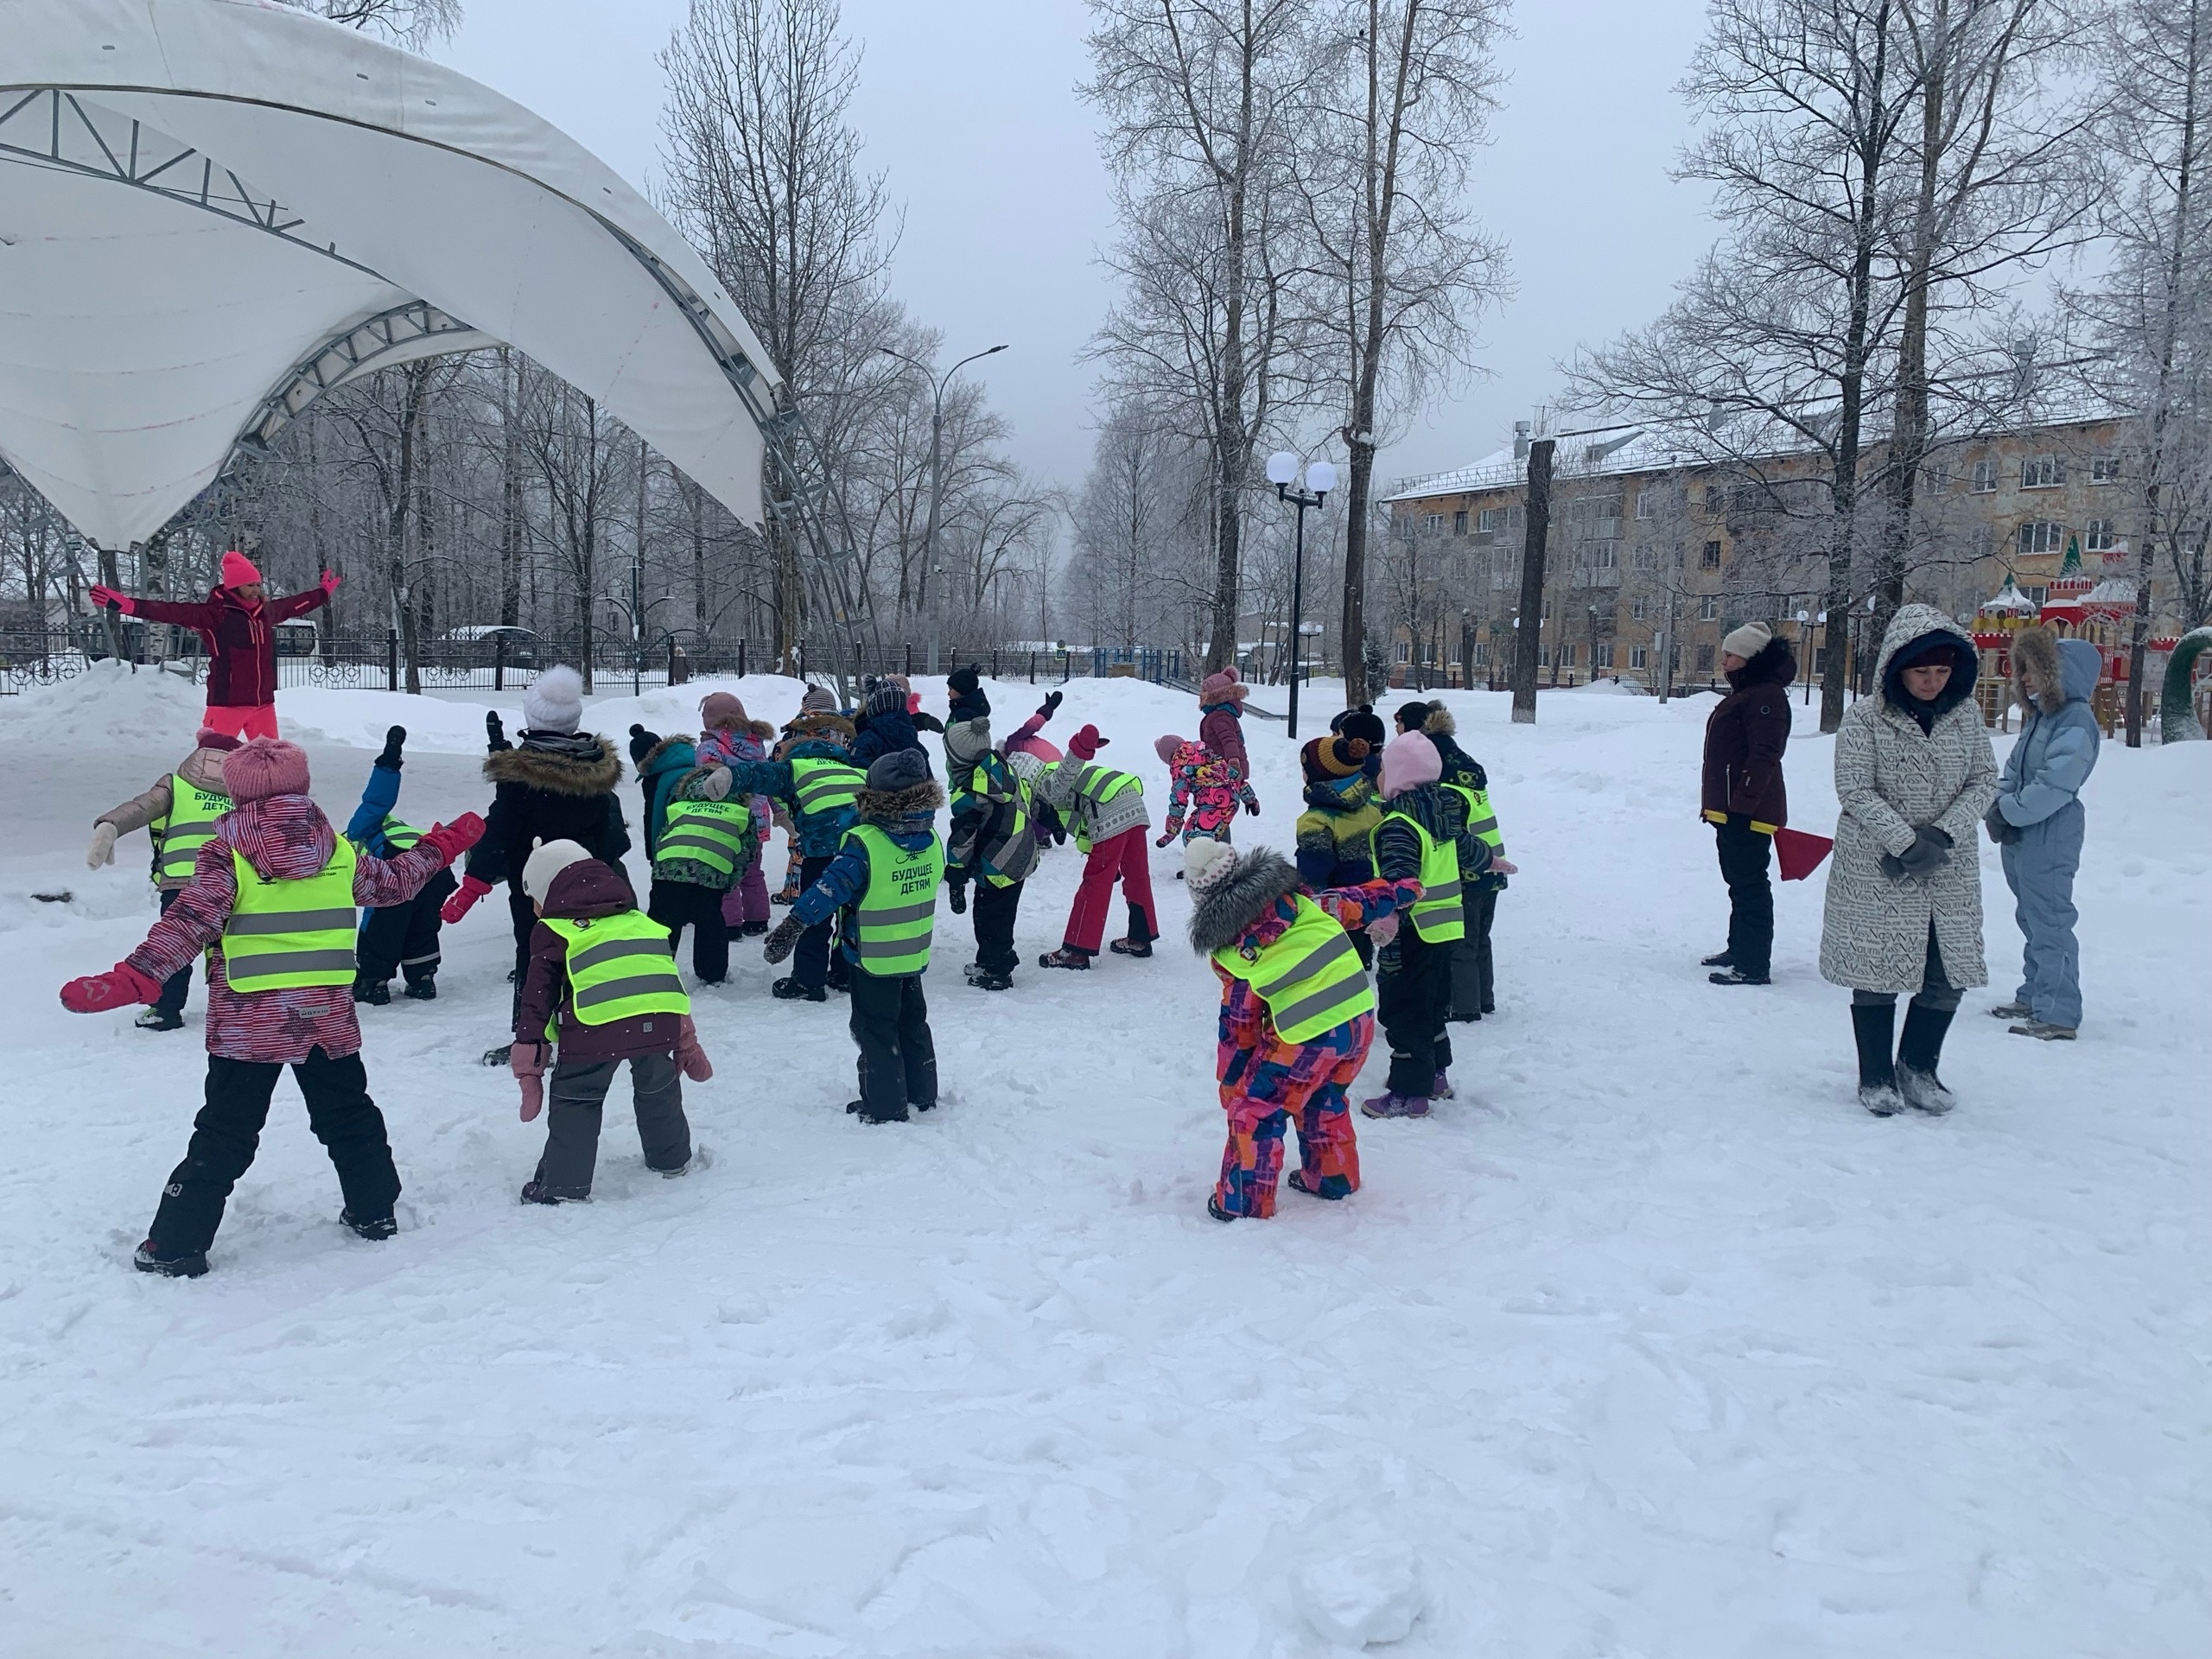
398 938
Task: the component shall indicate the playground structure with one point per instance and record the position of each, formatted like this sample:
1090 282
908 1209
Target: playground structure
2099 609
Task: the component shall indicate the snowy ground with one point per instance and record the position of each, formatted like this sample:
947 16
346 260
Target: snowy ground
1652 1344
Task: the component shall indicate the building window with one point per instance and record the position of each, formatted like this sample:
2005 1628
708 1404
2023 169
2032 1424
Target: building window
2041 536
1704 660
1482 656
1709 608
1635 607
1716 499
1647 502
2041 473
1459 521
2097 537
2104 469
1405 652
1567 654
1710 559
1646 556
1431 521
1936 479
1638 657
2040 593
1601 654
1543 655
1984 478
1599 556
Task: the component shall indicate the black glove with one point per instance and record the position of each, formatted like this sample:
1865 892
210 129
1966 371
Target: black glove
389 760
1051 705
2002 829
495 736
642 743
1930 852
782 940
958 900
1252 809
928 722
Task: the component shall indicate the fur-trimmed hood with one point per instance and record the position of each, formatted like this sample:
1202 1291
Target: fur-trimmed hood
816 727
2062 675
590 767
1439 722
1224 914
901 810
1775 665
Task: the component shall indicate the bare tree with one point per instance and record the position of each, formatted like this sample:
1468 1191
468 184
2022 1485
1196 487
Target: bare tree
1401 263
1203 98
410 22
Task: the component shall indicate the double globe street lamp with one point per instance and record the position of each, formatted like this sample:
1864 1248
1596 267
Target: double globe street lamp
1321 478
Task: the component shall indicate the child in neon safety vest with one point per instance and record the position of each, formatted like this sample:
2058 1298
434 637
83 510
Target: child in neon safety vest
1423 837
700 851
882 887
600 988
178 812
1297 1016
272 902
396 938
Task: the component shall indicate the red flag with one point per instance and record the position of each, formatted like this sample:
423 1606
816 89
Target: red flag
1799 853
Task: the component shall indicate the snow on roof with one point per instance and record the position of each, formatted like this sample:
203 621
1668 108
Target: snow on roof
212 209
2009 597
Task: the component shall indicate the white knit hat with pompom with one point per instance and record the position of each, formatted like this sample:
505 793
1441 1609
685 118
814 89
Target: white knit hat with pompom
1206 862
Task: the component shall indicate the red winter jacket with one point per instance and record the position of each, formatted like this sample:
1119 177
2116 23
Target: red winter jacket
241 640
285 837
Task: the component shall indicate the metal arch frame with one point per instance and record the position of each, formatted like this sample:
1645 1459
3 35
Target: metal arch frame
142 157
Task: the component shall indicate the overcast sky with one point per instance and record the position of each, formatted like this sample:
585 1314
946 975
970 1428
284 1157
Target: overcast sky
969 107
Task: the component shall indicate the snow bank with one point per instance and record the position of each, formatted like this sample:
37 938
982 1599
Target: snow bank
1651 1343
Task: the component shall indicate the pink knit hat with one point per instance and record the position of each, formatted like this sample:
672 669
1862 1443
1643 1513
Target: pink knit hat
1410 761
721 712
1165 747
238 569
263 767
1222 682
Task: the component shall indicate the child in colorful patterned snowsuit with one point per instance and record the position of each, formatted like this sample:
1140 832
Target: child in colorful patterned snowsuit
1206 786
728 733
1312 983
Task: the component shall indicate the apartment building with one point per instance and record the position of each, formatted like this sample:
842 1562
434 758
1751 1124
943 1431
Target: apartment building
1652 546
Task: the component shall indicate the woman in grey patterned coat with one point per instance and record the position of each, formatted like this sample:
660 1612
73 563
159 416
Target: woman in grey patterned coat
1914 773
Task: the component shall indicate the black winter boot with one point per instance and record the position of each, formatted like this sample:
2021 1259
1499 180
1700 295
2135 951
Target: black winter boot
1918 1050
1874 1024
372 1227
424 989
377 993
189 1266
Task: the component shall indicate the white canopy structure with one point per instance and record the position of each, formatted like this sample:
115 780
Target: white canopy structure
212 210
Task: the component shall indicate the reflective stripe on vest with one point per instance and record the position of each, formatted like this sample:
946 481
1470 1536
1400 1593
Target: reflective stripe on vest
285 934
1017 845
189 825
825 787
713 833
1310 977
897 914
1482 822
1436 915
397 837
1094 786
618 967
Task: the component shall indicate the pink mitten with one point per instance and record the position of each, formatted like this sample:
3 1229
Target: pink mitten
689 1055
527 1061
1383 930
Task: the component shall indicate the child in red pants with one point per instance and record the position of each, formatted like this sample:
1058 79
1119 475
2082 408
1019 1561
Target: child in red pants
1297 1017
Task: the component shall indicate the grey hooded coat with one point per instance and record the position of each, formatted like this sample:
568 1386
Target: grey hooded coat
1890 779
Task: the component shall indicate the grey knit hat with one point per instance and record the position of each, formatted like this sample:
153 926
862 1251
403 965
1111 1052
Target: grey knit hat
901 769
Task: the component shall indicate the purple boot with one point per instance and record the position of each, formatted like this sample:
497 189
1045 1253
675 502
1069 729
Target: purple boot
1440 1088
1394 1105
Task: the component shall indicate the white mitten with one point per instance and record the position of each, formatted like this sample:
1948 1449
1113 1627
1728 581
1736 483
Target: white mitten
102 851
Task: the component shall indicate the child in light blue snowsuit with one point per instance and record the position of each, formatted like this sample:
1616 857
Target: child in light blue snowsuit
2037 822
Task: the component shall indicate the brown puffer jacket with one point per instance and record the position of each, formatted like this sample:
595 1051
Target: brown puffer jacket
586 888
203 769
1744 737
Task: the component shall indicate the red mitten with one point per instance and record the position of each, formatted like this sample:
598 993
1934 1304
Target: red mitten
464 898
118 988
527 1061
107 596
455 838
689 1055
330 580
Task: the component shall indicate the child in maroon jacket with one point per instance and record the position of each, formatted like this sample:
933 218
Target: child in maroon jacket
566 884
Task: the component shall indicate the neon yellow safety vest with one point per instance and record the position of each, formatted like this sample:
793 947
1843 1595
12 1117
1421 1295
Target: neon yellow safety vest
189 825
1094 786
1481 820
619 966
285 934
1012 846
1309 978
712 833
397 837
898 912
824 787
1438 916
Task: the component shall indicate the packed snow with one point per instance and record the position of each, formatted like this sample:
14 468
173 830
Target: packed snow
1651 1344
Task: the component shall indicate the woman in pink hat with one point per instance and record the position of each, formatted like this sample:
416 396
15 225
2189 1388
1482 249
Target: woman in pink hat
239 625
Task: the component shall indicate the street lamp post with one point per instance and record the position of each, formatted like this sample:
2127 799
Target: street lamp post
937 488
1321 478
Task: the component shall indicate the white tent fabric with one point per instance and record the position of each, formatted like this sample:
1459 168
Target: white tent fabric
201 201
